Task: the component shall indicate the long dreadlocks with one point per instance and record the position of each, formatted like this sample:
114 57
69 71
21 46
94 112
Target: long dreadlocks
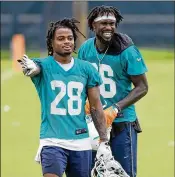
65 23
102 10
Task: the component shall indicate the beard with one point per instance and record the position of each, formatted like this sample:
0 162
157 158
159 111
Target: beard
103 41
65 54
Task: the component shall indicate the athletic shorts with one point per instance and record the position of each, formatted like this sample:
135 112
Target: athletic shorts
56 160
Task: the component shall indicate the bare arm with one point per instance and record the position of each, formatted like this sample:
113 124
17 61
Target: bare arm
97 113
140 90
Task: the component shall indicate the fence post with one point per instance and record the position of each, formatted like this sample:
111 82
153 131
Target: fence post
80 11
18 50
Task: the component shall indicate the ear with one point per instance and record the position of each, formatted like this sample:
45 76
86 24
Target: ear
93 25
52 42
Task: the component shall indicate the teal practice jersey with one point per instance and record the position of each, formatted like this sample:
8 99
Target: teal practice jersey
115 71
63 95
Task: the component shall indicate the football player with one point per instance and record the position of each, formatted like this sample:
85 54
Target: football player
63 84
120 65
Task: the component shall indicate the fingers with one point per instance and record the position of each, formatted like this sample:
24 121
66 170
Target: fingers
20 61
25 56
23 64
27 72
23 61
87 107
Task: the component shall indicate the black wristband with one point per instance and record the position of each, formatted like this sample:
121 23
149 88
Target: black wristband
118 107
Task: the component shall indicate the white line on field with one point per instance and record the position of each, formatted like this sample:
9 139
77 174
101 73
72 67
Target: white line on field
6 75
171 143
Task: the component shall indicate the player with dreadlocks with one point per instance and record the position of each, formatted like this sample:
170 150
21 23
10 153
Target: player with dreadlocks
120 65
64 23
63 85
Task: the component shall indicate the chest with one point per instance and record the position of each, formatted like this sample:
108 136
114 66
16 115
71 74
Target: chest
108 65
55 76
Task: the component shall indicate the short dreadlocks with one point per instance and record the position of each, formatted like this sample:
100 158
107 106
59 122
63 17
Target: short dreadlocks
101 10
65 23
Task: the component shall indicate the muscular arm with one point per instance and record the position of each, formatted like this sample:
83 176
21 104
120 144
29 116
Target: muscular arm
97 113
140 90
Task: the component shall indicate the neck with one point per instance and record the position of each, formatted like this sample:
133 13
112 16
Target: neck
62 59
100 45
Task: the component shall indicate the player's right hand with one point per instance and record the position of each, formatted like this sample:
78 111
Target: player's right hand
104 151
87 108
28 66
110 115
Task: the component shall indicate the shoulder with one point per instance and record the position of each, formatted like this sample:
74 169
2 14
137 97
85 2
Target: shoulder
125 37
130 50
42 61
85 65
133 56
86 48
119 43
87 43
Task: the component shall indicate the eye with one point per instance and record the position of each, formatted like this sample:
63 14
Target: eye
60 38
112 24
70 38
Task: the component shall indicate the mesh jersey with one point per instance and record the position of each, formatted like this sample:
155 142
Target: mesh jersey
115 71
62 95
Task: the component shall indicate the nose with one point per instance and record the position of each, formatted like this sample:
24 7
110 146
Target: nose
109 27
66 41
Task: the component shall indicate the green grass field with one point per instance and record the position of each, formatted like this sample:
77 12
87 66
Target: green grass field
20 120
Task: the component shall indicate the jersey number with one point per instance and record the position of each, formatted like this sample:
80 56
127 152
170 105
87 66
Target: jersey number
69 91
106 81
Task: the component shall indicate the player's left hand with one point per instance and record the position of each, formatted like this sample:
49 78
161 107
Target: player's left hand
104 151
110 113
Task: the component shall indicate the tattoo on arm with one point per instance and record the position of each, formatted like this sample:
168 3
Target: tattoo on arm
100 123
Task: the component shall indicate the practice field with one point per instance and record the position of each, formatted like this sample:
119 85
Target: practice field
20 120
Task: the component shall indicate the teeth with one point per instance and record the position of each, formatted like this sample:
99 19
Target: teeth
107 34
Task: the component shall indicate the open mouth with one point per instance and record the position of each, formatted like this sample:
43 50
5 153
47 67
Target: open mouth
107 34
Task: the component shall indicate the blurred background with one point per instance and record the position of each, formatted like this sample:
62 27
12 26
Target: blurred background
149 24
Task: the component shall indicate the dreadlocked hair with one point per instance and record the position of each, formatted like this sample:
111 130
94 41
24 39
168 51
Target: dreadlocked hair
101 10
65 23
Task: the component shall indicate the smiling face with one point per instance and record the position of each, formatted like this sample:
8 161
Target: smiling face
63 41
104 29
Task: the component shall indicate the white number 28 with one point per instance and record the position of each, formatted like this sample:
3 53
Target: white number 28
67 89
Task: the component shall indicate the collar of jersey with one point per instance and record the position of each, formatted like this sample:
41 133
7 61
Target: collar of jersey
96 48
61 69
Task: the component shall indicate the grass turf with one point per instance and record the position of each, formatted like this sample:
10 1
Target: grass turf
20 120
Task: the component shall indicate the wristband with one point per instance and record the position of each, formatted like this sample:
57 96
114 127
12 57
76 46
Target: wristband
118 108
